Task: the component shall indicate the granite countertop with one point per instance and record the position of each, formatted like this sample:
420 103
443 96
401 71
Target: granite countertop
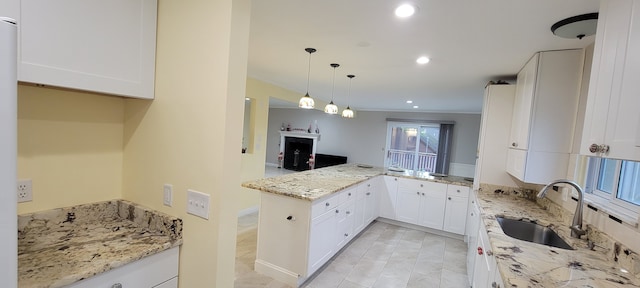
525 264
315 184
62 246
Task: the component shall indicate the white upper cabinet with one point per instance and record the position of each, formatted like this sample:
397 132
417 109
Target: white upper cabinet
544 116
612 121
92 45
525 88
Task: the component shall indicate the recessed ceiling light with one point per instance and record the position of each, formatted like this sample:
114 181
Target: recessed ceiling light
415 107
423 60
405 10
409 101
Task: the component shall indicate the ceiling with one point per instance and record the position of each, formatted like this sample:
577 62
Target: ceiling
469 42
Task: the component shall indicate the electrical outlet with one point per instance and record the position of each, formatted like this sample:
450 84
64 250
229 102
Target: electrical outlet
198 203
25 192
167 197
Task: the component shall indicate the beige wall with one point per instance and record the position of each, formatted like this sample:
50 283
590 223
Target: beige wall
253 162
190 135
70 146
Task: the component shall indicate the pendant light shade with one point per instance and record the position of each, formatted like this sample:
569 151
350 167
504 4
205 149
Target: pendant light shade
306 102
332 108
347 112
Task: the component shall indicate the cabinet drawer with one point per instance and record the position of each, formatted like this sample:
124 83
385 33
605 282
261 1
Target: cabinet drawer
321 206
421 185
147 272
348 194
457 190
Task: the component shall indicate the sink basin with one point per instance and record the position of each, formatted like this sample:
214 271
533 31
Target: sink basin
532 232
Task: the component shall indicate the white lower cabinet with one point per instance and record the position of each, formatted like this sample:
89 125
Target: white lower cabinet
158 270
421 202
323 239
296 237
388 197
485 269
456 207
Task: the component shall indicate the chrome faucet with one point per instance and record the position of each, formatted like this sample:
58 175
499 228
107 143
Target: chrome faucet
576 224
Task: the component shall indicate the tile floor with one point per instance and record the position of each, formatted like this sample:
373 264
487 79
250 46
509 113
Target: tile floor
383 255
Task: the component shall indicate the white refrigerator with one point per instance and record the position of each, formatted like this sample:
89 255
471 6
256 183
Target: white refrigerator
8 153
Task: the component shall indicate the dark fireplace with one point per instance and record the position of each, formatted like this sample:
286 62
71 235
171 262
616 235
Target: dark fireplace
297 152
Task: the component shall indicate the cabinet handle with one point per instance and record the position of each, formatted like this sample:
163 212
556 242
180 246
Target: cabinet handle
117 285
595 148
458 190
421 185
337 211
348 212
346 234
349 194
395 179
327 204
368 193
418 193
449 198
471 213
368 185
422 194
514 144
289 217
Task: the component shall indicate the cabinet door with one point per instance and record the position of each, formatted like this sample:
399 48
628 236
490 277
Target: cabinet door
94 45
371 204
408 206
521 117
345 222
481 267
322 240
432 207
623 116
611 116
472 245
455 214
388 198
147 272
359 211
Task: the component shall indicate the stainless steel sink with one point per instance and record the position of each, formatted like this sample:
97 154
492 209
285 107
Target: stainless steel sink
532 232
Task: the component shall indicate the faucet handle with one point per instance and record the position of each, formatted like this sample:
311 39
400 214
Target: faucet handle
576 231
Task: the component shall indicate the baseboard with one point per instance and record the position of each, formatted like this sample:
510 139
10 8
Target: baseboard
420 228
247 211
270 164
278 273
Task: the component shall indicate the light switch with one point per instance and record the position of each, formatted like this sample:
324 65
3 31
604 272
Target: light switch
198 204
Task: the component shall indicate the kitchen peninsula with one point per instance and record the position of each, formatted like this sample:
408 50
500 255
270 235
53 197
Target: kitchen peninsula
307 217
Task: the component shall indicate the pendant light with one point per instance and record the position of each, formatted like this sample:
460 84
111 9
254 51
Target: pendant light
306 102
332 108
348 113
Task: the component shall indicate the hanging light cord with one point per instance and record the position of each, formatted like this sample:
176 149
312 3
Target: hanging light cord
309 73
333 83
349 95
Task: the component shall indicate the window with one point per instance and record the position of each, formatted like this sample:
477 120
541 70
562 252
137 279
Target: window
418 146
615 181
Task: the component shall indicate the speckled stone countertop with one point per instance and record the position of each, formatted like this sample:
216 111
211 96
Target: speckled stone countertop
315 184
525 264
62 246
420 175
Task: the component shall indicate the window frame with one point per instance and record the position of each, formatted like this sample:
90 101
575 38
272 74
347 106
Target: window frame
404 125
610 201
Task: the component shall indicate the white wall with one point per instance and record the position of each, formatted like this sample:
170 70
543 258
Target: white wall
362 139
